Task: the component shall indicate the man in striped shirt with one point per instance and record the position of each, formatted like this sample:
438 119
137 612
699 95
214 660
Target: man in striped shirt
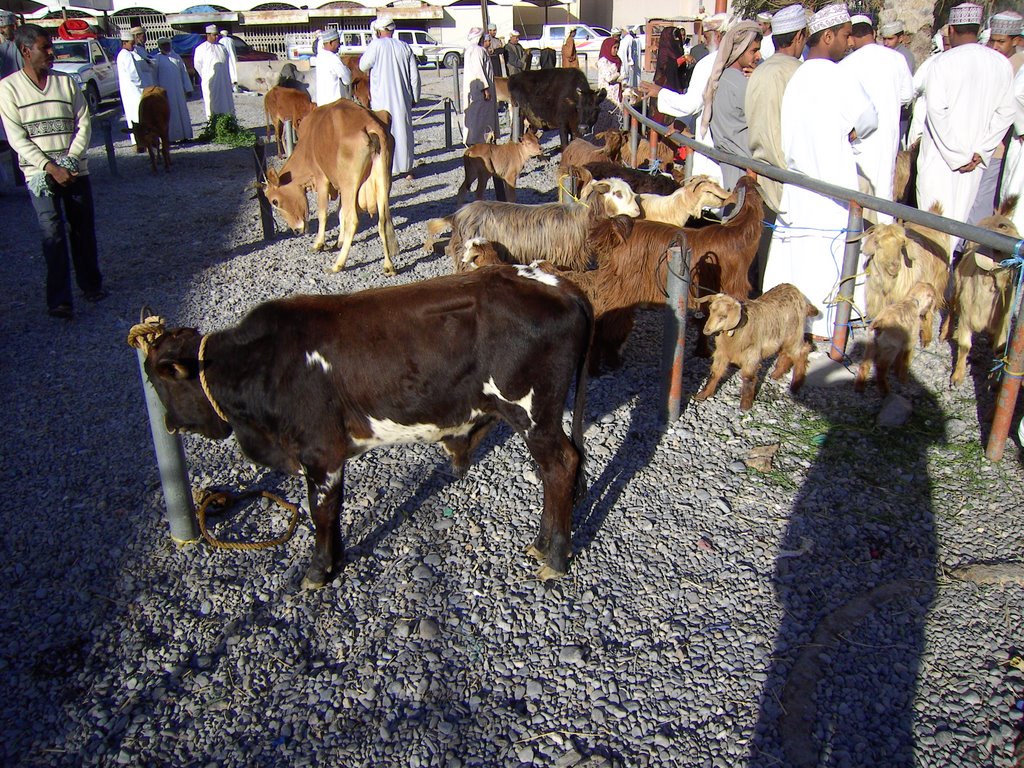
47 124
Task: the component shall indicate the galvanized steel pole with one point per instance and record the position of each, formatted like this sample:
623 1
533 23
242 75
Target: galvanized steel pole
674 345
844 299
289 138
170 459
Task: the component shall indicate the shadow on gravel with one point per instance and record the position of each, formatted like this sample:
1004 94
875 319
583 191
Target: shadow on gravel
855 579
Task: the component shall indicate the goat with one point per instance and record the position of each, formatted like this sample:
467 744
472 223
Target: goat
641 182
982 294
529 233
479 252
748 332
898 257
502 161
580 151
687 202
893 335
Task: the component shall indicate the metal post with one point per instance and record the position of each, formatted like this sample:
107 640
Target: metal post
567 188
266 211
108 141
634 140
170 459
674 344
289 138
448 123
456 89
513 116
844 300
1006 401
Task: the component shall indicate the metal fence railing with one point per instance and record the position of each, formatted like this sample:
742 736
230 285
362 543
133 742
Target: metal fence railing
857 201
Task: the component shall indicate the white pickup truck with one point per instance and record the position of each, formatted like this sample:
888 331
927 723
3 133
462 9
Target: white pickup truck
588 38
91 67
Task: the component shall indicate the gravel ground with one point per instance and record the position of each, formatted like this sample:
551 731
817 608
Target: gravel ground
714 614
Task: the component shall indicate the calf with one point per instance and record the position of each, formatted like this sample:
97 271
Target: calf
281 104
894 333
153 128
556 98
580 151
503 162
345 152
308 382
748 332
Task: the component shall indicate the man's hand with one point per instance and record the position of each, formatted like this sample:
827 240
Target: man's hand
649 88
853 135
61 175
487 94
970 166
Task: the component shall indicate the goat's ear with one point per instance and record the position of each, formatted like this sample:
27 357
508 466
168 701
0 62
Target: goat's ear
905 253
601 187
984 262
623 227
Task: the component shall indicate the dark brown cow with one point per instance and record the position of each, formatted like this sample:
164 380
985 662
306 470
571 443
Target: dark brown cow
282 104
307 382
556 98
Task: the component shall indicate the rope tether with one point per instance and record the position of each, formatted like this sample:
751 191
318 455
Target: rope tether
224 499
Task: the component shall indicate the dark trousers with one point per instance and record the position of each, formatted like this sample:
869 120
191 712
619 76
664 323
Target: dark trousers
72 203
757 266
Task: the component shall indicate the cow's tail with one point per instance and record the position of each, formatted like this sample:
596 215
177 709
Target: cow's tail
434 228
580 399
381 149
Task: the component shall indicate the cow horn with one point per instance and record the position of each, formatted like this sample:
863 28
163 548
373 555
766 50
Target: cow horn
144 333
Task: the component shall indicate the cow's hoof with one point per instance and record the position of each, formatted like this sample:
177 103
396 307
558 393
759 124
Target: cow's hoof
390 273
335 268
317 247
536 554
547 573
314 579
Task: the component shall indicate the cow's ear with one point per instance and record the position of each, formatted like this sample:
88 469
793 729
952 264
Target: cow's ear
601 95
286 178
272 177
172 369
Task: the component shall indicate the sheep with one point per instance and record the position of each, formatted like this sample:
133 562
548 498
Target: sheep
687 202
580 151
898 257
502 161
528 233
639 181
982 294
748 332
894 333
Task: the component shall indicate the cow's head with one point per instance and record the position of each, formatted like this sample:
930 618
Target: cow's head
590 105
172 365
288 199
614 196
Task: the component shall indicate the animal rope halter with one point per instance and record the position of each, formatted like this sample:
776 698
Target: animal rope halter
143 335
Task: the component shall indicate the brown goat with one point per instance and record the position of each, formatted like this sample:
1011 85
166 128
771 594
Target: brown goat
504 162
900 256
527 233
748 332
982 294
894 333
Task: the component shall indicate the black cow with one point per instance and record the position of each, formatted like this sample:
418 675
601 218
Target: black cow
556 98
308 382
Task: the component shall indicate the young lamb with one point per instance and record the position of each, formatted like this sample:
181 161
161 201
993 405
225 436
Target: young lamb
900 256
894 333
748 332
502 161
687 202
982 294
527 233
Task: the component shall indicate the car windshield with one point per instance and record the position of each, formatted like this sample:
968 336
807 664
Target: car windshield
240 45
602 31
430 41
73 53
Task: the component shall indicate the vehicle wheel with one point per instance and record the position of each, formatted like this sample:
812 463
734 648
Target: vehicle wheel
452 60
92 98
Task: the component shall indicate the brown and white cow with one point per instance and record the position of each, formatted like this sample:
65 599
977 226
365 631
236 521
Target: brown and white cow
282 104
153 128
308 382
344 151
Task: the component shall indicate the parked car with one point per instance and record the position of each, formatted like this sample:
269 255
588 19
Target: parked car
90 66
426 48
588 39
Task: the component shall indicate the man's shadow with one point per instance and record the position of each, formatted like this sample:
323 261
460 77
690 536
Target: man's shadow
855 578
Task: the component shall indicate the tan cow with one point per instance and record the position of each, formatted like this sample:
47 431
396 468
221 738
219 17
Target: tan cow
345 151
282 104
153 126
